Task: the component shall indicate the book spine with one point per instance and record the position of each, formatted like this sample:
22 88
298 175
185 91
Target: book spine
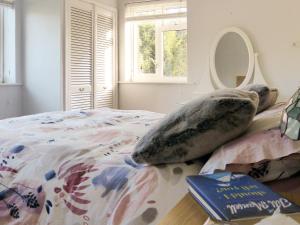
205 208
222 216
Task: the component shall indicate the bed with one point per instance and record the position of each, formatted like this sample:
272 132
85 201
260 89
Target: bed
75 168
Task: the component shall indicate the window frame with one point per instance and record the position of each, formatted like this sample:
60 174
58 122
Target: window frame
132 36
137 74
8 43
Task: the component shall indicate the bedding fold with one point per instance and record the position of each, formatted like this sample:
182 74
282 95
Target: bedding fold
75 168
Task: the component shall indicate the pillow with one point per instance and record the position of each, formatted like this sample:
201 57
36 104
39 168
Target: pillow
261 149
198 127
269 170
267 96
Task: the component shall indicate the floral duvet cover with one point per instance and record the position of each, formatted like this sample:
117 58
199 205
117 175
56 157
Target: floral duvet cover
74 168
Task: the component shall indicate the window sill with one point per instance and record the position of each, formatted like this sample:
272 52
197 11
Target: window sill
156 82
10 85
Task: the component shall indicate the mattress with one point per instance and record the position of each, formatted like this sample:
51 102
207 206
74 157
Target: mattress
74 168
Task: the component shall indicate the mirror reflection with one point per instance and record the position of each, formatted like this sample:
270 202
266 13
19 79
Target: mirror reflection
232 60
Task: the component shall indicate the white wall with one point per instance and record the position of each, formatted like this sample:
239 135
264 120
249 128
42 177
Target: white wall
272 25
41 35
155 97
11 95
39 64
10 101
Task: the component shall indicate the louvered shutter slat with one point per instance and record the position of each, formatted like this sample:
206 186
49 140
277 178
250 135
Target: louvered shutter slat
80 55
104 59
90 55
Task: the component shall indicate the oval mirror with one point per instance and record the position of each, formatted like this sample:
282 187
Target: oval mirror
232 59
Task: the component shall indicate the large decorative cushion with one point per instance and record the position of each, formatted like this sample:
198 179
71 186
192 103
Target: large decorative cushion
198 128
261 153
267 96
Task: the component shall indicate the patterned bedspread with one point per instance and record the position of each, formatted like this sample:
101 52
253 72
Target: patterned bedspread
74 168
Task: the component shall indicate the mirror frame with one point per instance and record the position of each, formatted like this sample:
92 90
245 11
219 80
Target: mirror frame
212 59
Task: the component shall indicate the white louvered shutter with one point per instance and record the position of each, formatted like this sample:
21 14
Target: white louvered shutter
79 55
104 58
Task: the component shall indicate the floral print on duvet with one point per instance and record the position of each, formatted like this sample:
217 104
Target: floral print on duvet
75 168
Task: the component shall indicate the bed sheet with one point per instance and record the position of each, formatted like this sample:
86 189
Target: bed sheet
74 168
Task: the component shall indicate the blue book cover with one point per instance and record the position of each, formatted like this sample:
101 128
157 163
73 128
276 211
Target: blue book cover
231 196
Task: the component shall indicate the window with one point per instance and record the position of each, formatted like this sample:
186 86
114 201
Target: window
156 41
7 42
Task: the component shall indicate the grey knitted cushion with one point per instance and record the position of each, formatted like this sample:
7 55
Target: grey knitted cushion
198 127
267 96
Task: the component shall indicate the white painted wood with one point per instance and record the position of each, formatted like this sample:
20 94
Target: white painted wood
105 48
254 74
156 12
258 76
9 47
7 3
79 55
151 2
156 17
213 71
91 55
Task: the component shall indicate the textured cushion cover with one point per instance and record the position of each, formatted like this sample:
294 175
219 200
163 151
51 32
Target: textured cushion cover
269 170
198 128
267 96
261 153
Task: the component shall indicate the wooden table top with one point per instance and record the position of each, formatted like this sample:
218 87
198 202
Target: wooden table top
189 212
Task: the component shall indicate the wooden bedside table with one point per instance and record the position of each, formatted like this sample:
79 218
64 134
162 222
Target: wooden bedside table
189 212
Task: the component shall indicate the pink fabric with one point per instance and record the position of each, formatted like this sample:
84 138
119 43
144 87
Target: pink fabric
262 142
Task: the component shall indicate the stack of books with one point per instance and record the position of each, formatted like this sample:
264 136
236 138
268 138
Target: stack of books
228 197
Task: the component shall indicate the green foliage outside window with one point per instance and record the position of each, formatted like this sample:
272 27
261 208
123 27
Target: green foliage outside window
147 48
175 53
